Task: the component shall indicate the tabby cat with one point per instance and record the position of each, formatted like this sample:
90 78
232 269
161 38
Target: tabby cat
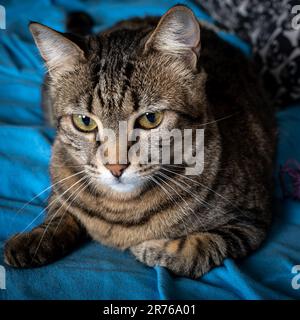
154 73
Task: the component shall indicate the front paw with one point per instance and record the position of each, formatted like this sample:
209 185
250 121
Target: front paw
28 250
150 252
190 256
164 253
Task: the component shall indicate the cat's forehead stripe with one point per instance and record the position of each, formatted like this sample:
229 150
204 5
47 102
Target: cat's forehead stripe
114 67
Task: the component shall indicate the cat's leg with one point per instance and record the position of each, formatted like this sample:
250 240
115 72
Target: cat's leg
197 253
52 240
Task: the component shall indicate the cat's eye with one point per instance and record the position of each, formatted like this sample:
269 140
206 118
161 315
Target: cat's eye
84 123
150 120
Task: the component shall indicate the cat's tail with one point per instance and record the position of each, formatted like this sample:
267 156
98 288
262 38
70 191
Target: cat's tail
79 23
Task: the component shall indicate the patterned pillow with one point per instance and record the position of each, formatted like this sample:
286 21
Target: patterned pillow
267 26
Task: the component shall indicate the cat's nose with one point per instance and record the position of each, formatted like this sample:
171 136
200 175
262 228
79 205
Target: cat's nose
116 169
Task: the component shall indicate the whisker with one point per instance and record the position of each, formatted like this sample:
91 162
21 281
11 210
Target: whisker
81 189
207 219
193 211
52 185
207 188
54 215
202 202
67 166
220 119
48 206
171 198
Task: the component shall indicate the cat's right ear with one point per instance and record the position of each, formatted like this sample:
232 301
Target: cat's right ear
60 53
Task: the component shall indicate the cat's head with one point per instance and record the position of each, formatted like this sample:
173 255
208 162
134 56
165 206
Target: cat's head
148 76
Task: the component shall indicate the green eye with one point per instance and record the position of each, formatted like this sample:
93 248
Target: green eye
150 120
84 123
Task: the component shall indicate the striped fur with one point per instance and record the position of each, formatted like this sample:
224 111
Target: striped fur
188 224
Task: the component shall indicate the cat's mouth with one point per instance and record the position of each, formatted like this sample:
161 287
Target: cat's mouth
124 184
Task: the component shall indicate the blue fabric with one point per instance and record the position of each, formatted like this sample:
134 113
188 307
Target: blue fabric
95 271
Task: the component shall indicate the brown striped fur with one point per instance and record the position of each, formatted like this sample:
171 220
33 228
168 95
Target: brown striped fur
188 224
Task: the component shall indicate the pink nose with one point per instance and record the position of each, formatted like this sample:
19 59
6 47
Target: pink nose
116 169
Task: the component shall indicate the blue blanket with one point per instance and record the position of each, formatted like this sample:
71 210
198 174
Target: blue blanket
95 271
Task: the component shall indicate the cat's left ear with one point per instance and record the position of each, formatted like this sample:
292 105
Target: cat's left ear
177 33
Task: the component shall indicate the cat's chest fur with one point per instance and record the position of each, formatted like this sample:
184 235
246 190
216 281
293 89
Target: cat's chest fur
117 235
125 235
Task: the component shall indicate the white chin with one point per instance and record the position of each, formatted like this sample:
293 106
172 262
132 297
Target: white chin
123 187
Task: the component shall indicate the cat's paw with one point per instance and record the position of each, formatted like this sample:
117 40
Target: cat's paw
164 253
27 250
150 252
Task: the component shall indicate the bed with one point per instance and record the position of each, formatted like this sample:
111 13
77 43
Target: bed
95 271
